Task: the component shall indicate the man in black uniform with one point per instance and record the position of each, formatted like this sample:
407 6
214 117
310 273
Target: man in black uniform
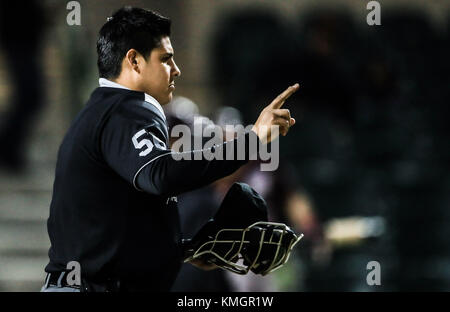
114 210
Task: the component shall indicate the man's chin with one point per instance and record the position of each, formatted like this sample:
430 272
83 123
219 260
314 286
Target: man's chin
167 100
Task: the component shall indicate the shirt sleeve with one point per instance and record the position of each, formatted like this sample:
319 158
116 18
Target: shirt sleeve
134 143
133 136
172 174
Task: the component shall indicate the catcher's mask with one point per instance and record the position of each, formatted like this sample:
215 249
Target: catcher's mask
240 239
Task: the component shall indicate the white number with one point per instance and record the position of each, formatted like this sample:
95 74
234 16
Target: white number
147 142
141 144
159 143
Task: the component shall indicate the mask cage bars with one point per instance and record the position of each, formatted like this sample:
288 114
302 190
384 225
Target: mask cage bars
233 255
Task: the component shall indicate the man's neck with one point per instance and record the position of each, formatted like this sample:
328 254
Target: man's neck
125 82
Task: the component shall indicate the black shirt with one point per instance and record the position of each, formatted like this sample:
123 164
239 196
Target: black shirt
113 207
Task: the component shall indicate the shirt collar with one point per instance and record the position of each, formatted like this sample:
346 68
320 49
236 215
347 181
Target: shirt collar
103 82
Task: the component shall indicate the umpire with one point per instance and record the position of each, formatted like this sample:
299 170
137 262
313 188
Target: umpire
114 206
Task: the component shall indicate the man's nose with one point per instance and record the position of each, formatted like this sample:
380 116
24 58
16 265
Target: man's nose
176 70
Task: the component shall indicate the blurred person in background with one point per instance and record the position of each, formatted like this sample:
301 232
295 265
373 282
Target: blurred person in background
21 29
288 203
374 141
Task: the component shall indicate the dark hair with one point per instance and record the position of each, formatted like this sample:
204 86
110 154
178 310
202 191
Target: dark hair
128 28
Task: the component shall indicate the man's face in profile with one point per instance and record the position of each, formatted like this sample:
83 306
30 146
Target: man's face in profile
159 72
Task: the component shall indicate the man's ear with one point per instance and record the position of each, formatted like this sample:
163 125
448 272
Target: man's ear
134 59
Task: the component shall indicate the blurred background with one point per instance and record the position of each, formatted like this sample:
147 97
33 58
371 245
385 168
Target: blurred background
364 173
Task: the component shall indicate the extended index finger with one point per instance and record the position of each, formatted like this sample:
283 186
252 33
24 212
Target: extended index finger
280 99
